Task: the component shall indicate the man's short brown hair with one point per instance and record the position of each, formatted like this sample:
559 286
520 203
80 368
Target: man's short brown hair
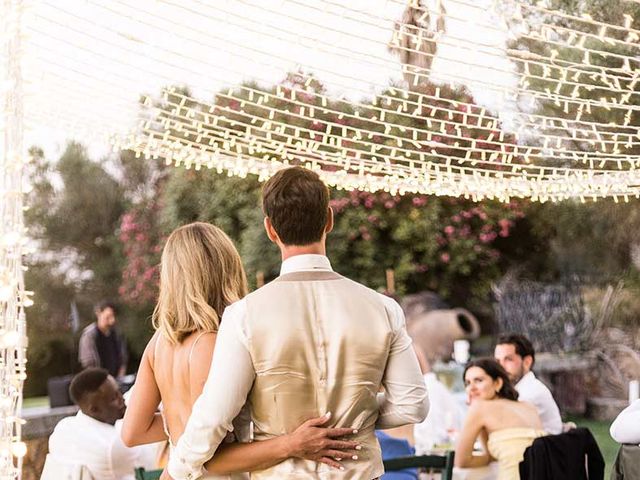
297 202
522 344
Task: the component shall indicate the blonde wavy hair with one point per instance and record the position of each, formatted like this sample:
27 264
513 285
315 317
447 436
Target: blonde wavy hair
200 275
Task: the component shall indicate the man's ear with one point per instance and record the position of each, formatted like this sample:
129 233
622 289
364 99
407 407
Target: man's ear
271 232
90 408
527 362
329 226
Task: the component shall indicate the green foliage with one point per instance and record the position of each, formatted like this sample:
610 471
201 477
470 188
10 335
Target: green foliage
432 243
51 340
75 207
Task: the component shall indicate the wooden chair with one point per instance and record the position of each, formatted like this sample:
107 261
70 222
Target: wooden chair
437 463
142 474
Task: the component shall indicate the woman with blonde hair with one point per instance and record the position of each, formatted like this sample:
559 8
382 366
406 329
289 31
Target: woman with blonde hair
202 274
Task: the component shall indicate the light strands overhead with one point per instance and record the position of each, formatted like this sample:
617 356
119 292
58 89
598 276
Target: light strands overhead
422 135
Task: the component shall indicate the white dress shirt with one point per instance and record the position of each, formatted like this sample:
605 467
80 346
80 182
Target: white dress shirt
626 427
534 391
444 419
232 374
82 440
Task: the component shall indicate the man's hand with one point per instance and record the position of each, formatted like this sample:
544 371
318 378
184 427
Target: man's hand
312 441
165 475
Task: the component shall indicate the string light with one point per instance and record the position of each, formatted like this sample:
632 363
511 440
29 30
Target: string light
461 142
13 245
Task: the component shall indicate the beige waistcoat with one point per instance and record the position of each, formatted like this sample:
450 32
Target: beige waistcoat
319 343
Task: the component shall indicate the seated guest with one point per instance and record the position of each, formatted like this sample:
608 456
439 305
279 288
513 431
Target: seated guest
444 419
517 356
393 447
505 426
626 427
91 438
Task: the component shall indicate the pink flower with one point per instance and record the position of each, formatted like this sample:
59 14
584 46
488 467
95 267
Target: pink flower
456 219
445 257
449 230
487 237
389 204
148 274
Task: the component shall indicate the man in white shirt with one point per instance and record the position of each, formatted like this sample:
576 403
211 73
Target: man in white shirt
307 343
626 427
445 415
516 355
91 438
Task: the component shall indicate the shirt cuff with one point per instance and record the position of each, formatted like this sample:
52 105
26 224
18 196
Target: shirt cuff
179 470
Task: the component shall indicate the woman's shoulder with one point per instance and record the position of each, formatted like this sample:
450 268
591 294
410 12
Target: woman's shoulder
481 407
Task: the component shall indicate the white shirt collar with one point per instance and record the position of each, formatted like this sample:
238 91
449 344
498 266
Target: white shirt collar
90 421
304 263
526 379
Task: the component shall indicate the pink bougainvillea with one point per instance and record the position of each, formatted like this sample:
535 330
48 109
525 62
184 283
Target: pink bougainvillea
141 246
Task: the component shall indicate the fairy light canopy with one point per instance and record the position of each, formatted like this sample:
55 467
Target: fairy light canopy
478 98
555 113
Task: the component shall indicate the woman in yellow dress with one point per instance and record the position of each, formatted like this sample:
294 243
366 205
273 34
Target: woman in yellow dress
505 426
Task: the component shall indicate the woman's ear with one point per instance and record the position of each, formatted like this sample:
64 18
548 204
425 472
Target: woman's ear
498 383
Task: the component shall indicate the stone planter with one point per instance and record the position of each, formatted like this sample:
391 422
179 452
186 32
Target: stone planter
570 379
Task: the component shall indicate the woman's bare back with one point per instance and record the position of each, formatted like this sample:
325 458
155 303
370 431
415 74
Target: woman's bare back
180 372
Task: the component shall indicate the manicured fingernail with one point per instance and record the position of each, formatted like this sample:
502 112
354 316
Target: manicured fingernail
355 457
328 414
338 459
358 447
341 468
355 431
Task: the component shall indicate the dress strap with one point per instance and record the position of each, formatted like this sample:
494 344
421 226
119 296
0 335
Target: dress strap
155 348
193 345
165 427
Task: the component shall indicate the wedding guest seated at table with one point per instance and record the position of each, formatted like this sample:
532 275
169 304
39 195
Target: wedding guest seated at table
626 427
516 355
91 438
444 420
505 426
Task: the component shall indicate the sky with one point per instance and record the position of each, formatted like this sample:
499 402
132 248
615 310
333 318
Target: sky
86 62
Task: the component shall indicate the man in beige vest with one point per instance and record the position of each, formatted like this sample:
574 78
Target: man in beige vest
310 342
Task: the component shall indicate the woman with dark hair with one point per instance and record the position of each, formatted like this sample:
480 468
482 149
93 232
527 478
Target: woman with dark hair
505 426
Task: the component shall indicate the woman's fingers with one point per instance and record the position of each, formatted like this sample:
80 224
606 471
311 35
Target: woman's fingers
340 432
344 445
331 462
340 454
